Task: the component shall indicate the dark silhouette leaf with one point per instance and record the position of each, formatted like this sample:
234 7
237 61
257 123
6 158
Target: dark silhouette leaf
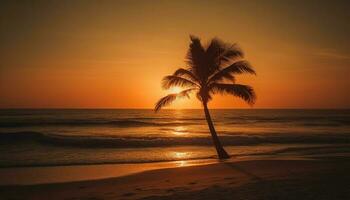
238 67
244 92
186 74
172 97
173 81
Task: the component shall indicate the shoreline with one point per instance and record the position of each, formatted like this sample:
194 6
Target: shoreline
21 176
248 151
265 178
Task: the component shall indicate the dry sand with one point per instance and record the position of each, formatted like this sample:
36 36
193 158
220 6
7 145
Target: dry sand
254 179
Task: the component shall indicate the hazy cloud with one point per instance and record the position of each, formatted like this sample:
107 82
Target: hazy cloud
332 53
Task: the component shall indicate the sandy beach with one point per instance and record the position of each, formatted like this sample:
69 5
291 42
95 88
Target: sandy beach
250 179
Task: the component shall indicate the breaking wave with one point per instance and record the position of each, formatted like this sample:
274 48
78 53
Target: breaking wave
135 142
127 123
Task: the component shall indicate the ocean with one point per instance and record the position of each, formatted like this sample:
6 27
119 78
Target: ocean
52 137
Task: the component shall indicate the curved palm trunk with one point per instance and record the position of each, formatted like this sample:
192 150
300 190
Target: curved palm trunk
219 149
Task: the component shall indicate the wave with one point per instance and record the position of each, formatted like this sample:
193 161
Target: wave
305 120
311 150
338 151
115 123
158 122
169 118
139 142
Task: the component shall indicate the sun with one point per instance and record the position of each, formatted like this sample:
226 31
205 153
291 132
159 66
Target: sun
175 90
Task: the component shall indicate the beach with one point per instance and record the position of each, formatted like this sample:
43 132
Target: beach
267 178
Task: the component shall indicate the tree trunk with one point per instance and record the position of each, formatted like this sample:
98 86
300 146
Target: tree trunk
219 149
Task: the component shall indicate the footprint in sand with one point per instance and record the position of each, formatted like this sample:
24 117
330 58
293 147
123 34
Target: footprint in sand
177 189
94 198
128 194
170 190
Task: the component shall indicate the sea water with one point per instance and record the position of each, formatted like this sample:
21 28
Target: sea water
49 137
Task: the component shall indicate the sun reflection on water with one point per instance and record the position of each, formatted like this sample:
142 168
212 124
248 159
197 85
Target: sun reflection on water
182 163
180 130
181 155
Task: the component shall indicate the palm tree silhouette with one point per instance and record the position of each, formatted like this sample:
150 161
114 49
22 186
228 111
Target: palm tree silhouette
210 69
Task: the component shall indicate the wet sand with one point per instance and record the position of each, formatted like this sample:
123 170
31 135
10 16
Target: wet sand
326 178
73 173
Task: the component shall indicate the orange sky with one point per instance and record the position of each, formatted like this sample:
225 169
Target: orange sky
108 54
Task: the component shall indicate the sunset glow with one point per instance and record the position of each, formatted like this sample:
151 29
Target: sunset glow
175 90
114 55
174 99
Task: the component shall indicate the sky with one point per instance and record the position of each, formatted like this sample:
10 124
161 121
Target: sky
113 54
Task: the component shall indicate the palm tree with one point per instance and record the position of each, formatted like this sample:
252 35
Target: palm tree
210 70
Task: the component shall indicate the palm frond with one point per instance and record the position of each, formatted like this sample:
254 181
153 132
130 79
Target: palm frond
172 81
221 76
181 72
167 100
232 51
220 52
215 47
195 57
244 92
186 92
213 55
164 101
238 67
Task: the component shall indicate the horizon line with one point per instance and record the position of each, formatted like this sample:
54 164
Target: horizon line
110 108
